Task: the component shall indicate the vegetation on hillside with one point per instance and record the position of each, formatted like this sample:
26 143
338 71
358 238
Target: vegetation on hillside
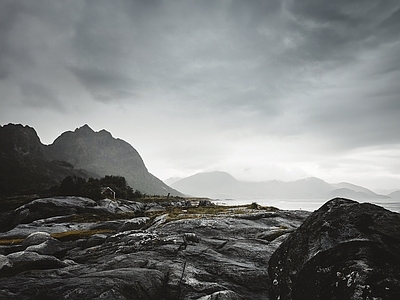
92 187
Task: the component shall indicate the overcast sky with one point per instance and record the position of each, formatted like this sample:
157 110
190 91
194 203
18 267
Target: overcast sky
275 89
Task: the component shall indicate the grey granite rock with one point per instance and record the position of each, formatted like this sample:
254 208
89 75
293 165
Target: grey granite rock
36 238
198 257
222 295
344 250
26 260
50 247
134 223
5 264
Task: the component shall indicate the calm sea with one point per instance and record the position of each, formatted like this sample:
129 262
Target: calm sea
303 204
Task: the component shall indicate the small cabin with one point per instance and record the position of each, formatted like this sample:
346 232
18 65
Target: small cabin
108 192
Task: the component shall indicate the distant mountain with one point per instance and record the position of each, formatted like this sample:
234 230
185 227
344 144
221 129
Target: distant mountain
172 180
83 152
395 195
348 190
24 166
351 194
355 188
217 184
221 185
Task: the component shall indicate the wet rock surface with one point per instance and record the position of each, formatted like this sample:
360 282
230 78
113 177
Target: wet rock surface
76 248
344 250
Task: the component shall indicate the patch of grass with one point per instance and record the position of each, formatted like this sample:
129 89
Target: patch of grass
9 242
160 199
181 213
78 234
94 218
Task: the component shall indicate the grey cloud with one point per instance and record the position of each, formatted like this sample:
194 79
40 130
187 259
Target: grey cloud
104 85
218 57
339 29
390 27
357 122
156 45
8 14
39 96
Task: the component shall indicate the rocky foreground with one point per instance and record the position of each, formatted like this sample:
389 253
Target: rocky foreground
77 248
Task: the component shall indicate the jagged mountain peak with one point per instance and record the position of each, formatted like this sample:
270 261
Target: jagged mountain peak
85 129
25 167
27 162
23 140
101 154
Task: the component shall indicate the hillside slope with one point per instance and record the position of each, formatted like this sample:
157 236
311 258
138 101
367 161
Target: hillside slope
24 166
100 154
28 166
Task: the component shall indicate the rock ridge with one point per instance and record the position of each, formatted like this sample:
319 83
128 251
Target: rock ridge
344 250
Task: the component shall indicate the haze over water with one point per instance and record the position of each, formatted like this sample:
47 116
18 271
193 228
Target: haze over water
303 204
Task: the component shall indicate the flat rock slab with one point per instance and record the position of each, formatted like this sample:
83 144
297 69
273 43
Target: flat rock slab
200 257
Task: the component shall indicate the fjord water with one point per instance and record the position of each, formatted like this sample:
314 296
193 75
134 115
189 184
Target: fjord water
304 204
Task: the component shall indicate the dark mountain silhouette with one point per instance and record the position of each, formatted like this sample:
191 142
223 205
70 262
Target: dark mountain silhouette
24 166
28 165
100 154
221 185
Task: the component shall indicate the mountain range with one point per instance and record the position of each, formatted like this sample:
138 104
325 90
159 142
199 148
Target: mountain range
221 185
29 166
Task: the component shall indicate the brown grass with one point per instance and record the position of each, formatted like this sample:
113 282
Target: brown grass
78 234
9 242
180 213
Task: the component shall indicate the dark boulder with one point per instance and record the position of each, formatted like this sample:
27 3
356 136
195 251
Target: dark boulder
26 260
95 240
55 206
344 250
36 238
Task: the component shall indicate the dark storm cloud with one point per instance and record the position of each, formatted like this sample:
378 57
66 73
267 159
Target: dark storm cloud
104 85
334 37
338 30
8 12
294 66
193 46
38 96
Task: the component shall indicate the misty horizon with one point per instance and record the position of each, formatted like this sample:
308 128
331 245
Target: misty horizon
172 180
260 89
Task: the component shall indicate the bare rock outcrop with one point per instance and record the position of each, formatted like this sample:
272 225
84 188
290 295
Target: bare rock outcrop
161 257
344 250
